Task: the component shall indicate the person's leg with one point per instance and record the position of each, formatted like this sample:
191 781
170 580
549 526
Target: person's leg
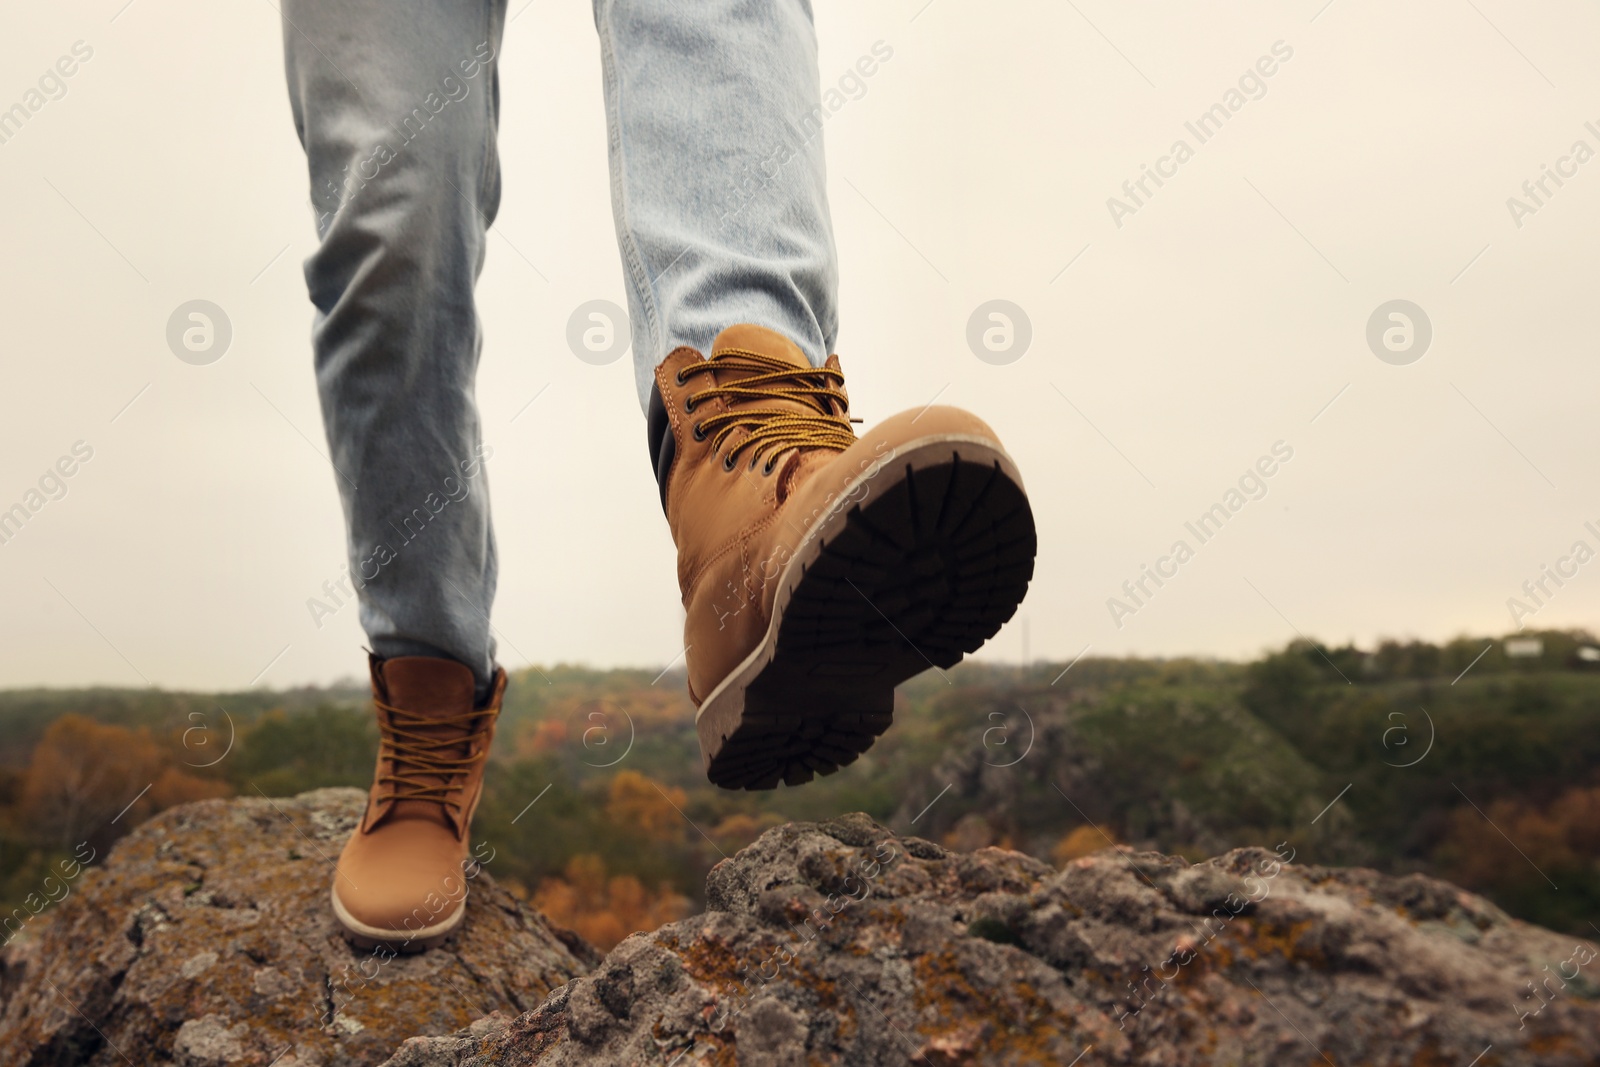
395 102
818 569
718 186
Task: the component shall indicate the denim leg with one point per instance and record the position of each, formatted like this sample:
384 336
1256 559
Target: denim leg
717 179
395 102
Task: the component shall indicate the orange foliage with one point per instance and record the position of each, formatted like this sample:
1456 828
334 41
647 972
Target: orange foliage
656 707
642 805
173 787
605 910
741 829
1561 836
1079 841
543 737
83 773
594 728
1578 811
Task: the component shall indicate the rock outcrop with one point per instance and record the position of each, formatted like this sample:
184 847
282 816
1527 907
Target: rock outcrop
205 939
840 943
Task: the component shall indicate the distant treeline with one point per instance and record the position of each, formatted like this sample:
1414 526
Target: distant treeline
1476 760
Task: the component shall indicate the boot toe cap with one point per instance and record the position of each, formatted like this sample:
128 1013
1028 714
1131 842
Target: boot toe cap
412 887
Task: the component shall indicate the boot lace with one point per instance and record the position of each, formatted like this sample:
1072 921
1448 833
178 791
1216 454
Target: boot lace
416 756
772 430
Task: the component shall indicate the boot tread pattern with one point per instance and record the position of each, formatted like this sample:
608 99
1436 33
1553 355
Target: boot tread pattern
920 575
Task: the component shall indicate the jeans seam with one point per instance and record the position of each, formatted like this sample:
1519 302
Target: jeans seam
491 153
631 256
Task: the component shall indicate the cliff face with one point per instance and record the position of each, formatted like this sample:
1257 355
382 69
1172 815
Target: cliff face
204 940
840 943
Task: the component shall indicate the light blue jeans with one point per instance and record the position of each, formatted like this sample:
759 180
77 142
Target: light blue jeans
717 187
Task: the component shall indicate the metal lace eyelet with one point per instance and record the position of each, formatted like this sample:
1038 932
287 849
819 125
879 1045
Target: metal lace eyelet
768 468
688 405
699 431
727 464
680 378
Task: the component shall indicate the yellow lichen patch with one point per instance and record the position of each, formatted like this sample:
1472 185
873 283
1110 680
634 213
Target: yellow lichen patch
1429 1055
745 972
1221 954
824 989
712 961
1255 939
1550 1042
882 932
1015 1019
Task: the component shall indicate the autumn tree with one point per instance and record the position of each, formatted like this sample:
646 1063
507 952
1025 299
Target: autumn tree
84 774
642 805
1516 851
605 909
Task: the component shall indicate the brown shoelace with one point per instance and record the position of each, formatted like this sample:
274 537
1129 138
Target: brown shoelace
416 754
772 430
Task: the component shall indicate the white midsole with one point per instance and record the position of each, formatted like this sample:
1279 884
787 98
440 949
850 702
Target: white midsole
381 933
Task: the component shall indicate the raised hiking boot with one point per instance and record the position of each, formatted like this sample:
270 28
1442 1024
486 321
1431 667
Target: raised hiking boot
819 570
401 880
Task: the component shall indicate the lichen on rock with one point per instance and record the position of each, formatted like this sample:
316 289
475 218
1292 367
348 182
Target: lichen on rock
842 943
206 939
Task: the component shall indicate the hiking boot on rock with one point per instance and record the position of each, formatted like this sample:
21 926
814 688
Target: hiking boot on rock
401 881
818 569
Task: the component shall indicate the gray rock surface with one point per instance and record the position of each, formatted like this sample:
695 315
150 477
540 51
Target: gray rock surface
840 943
206 939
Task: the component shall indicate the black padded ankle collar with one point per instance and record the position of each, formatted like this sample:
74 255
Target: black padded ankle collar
663 446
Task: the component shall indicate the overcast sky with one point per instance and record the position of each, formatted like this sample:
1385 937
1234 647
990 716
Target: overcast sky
1176 339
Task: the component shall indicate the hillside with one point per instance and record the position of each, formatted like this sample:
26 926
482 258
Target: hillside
1455 761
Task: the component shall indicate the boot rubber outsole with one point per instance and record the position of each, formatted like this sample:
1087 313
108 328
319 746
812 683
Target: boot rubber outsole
362 936
923 559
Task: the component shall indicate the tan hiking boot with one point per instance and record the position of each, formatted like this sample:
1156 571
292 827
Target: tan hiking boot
819 570
400 882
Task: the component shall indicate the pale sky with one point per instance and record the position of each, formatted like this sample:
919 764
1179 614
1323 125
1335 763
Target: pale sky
1228 313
